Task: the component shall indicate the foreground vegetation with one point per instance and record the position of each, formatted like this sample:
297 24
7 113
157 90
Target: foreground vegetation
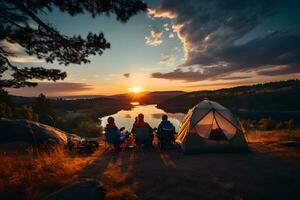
32 176
277 136
266 124
73 116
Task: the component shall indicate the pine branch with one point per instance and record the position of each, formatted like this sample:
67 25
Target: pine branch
37 20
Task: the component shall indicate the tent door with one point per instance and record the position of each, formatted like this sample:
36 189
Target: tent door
216 131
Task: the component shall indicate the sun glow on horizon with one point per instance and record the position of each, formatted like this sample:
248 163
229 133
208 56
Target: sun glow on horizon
135 89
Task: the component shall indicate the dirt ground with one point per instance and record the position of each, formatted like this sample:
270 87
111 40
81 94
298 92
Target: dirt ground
271 171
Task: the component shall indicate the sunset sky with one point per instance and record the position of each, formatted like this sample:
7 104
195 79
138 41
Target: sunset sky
179 45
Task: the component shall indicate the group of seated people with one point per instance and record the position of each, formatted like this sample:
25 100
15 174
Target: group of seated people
142 133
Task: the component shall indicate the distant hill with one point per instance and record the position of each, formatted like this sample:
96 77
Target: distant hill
142 98
267 97
100 106
21 100
148 97
74 97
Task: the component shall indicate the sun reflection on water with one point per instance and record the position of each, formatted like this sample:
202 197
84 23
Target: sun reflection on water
135 103
125 118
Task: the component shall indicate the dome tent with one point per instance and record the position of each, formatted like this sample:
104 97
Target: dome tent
210 127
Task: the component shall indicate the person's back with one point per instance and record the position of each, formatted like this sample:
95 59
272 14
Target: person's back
165 131
142 131
112 133
165 125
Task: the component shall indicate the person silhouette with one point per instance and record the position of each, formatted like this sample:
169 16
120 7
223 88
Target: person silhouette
113 134
142 131
167 129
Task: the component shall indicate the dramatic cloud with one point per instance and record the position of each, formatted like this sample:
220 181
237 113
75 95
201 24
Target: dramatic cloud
224 37
233 77
195 74
178 74
154 13
126 75
52 89
281 70
155 37
222 84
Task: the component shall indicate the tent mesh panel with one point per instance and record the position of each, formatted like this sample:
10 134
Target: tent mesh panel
214 123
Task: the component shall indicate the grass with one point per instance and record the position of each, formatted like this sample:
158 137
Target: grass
279 143
273 136
34 177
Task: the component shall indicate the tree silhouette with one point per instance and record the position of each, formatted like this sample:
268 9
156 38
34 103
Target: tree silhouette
45 42
43 107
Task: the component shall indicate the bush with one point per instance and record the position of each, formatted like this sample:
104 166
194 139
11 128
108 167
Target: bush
5 110
269 124
84 126
290 125
266 124
87 128
280 126
5 104
25 112
43 108
248 124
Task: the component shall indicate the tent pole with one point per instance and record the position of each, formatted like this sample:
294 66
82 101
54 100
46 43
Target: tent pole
212 122
217 123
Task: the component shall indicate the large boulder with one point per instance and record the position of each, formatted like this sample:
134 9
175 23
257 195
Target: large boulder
25 133
87 189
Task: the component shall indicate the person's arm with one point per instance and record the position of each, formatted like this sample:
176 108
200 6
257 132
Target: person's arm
132 130
171 126
173 129
117 132
159 128
105 132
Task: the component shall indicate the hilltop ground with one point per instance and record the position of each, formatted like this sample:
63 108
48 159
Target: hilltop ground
271 171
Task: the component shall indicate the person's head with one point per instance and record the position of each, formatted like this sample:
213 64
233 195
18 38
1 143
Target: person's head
140 117
111 121
164 117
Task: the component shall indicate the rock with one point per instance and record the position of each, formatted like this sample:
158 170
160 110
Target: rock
25 133
87 189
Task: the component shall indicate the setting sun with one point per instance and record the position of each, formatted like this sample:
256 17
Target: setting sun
135 89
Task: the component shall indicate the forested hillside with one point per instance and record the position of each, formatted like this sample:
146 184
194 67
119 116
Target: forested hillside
273 96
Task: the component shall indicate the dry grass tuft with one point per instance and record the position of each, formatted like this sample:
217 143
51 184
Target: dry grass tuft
33 176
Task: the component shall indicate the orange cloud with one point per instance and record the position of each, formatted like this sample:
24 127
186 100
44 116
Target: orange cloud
155 13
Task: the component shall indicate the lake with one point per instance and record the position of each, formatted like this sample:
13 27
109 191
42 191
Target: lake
125 118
